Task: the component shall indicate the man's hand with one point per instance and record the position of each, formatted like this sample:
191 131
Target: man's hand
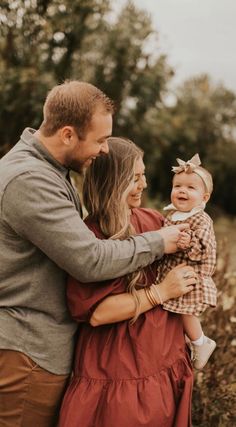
171 235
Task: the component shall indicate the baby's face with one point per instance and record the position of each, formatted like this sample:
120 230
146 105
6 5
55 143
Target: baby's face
188 191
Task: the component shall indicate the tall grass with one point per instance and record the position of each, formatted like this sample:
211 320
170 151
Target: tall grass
214 395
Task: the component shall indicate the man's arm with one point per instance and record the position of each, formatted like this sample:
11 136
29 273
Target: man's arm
38 209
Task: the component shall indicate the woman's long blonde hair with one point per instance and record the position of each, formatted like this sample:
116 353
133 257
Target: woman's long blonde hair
107 184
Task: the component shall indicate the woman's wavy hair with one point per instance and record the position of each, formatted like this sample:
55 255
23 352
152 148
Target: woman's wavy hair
107 184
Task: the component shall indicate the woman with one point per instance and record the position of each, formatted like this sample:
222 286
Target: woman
126 373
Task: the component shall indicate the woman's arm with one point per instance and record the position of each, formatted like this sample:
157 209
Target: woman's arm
115 308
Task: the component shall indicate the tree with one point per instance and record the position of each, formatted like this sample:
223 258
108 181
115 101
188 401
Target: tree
44 42
41 44
201 121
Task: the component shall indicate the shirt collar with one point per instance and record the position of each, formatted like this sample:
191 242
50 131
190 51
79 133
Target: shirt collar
176 215
41 151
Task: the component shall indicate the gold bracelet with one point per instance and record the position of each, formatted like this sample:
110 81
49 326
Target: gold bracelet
150 296
155 299
146 289
157 292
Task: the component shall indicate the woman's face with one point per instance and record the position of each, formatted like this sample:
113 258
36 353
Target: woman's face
139 183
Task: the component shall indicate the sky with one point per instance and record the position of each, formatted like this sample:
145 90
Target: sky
198 36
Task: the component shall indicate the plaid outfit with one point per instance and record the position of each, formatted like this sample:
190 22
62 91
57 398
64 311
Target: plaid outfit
201 255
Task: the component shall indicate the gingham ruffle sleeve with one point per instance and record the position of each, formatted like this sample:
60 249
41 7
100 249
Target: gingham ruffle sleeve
202 243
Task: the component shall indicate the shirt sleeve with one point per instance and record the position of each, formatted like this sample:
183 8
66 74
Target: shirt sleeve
39 210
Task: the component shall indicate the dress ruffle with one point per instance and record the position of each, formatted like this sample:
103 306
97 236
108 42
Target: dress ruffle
131 402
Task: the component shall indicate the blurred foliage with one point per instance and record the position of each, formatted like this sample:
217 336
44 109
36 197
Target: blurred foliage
214 395
202 121
44 42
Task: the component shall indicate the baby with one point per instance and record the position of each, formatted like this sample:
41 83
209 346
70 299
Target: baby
192 187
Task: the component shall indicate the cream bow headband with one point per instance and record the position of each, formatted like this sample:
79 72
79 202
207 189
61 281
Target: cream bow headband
191 166
188 166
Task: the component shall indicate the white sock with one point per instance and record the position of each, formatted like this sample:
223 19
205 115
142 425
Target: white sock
200 340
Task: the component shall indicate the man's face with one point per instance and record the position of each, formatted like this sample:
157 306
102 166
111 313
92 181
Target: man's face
83 152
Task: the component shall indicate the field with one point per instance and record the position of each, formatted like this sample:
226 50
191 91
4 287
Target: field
225 229
214 395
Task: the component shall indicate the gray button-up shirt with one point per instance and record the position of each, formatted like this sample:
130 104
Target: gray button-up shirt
42 239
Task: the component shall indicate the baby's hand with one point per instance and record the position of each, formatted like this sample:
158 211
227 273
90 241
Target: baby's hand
184 240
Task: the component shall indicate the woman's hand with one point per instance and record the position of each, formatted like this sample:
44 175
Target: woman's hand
115 308
179 281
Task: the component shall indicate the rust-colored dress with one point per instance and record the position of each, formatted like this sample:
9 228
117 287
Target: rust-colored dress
127 375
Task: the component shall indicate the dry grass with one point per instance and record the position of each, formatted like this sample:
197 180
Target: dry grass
214 396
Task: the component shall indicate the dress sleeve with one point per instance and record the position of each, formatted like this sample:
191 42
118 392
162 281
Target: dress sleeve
202 244
83 299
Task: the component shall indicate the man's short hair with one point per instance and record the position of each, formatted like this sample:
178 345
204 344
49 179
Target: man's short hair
73 103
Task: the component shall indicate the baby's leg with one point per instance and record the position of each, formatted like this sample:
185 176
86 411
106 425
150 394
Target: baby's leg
192 327
201 345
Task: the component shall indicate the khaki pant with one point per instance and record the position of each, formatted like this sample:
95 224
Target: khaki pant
29 395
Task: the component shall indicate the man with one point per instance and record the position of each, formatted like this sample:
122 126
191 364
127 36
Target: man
42 239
